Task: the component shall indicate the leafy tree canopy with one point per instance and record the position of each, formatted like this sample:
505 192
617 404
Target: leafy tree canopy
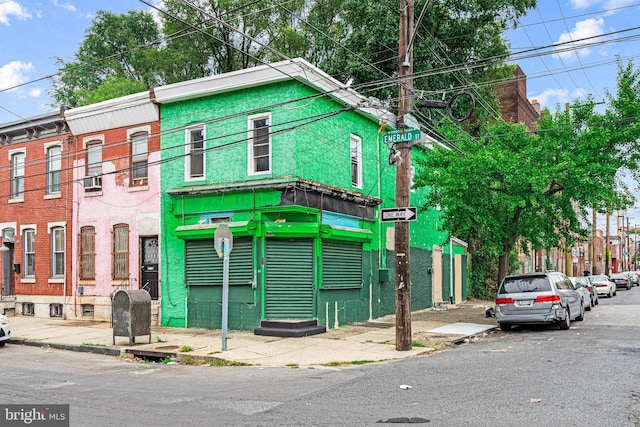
511 186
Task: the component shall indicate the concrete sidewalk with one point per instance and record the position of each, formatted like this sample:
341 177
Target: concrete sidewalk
346 346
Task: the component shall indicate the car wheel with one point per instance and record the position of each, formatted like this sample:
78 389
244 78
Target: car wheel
628 286
566 323
505 327
615 292
2 343
588 307
580 317
610 293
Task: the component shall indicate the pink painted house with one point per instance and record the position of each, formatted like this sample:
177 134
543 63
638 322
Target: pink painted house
116 202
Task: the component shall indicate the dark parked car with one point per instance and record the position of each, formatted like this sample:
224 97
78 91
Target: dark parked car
538 298
622 280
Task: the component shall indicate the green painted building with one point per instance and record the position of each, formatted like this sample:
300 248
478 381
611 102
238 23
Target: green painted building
293 162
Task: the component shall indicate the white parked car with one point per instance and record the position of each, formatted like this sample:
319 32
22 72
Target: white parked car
603 285
5 330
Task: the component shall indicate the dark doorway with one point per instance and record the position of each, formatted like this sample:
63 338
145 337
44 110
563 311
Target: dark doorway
149 267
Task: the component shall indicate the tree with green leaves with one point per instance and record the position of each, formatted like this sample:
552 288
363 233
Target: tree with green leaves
513 187
116 58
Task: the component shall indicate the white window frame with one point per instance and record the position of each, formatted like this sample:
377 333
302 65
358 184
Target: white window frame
251 163
11 153
136 158
53 230
47 148
187 151
28 252
355 159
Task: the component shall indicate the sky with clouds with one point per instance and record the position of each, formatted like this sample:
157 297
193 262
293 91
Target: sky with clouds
588 36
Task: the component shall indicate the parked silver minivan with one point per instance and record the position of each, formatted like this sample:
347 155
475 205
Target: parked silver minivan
538 298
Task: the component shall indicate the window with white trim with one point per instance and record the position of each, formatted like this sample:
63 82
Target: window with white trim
195 153
259 144
54 169
17 175
94 158
29 252
355 150
57 252
139 156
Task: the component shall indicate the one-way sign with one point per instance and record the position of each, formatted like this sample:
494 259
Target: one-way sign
399 214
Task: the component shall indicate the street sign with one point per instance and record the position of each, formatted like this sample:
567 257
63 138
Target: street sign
222 235
410 121
401 135
399 214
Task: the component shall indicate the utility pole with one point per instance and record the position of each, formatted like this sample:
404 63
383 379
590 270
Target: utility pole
403 179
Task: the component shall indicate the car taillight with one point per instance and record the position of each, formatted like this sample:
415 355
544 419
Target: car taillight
548 298
504 301
588 288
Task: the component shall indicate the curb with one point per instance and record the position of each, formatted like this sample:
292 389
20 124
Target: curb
106 350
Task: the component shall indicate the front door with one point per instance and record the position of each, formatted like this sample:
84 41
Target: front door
149 267
289 279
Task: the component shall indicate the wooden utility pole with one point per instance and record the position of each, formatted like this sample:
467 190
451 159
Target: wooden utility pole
403 179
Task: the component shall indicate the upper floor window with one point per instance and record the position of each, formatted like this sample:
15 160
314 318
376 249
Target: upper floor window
87 253
94 158
139 156
29 252
356 161
259 144
120 263
17 175
57 252
194 150
54 169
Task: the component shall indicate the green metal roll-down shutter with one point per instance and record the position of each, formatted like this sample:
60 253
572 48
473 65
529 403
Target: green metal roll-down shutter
341 265
289 279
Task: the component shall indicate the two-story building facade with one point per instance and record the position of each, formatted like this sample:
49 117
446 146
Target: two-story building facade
293 162
116 202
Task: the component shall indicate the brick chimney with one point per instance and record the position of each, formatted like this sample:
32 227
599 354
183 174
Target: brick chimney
536 105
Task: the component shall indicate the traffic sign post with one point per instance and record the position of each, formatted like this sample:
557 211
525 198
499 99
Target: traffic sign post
399 214
223 243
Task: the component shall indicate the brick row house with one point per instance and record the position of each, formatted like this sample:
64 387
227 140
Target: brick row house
286 156
36 215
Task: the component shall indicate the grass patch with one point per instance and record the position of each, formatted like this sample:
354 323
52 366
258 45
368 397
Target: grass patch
353 362
158 339
90 344
186 349
293 365
417 344
215 361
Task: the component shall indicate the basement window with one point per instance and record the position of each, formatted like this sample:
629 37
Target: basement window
87 311
28 309
55 310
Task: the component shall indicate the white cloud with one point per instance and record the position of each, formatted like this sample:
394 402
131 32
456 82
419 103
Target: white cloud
13 74
12 8
583 29
601 4
35 93
67 6
552 97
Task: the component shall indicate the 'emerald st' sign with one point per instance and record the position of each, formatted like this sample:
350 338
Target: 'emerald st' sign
401 135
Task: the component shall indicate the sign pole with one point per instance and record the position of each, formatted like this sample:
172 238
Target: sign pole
223 244
225 293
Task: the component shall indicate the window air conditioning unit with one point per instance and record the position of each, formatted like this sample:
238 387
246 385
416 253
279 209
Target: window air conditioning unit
93 182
